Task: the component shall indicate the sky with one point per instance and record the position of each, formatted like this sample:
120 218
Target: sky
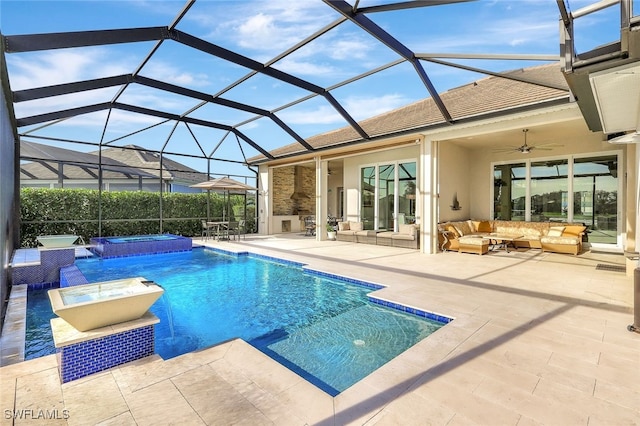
261 30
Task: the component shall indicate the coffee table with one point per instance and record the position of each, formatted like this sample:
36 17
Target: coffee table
502 241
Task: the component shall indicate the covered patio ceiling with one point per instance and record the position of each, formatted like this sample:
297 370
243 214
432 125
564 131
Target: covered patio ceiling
225 99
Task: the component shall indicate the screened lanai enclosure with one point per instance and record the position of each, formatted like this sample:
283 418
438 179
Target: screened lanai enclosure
211 89
168 98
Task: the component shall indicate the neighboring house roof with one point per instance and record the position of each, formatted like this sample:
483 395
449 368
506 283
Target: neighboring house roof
489 95
117 163
77 165
148 161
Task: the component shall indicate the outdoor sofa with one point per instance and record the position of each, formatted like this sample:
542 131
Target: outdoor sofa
406 237
472 236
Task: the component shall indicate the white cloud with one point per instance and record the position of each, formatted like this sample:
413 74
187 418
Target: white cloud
277 26
359 107
307 68
172 73
362 107
61 66
323 114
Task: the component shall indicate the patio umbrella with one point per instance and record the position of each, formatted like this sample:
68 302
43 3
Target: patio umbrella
227 186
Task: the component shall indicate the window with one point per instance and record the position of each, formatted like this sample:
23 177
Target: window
549 191
583 190
388 195
509 191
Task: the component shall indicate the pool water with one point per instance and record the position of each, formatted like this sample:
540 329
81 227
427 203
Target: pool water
139 238
324 329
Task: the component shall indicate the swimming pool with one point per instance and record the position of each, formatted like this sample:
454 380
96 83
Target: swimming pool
325 329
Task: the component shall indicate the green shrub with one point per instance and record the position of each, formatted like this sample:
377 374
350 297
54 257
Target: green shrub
76 211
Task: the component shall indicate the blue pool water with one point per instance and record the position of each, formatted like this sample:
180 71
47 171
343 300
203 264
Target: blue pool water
324 329
139 238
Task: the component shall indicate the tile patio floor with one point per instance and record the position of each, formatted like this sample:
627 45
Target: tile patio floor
539 338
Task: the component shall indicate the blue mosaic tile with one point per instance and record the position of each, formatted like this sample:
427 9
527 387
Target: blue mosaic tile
89 357
255 256
409 310
71 276
361 283
27 274
43 286
276 260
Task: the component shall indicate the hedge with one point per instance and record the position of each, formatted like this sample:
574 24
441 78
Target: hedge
75 211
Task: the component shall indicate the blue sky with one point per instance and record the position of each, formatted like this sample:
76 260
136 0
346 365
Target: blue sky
261 30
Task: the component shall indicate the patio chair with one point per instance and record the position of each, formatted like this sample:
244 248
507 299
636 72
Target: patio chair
207 230
241 229
309 226
234 230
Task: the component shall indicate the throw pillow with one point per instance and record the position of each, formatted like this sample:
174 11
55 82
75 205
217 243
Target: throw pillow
453 231
555 231
484 226
573 230
343 226
355 226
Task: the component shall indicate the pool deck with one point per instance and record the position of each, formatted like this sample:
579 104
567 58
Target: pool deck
538 338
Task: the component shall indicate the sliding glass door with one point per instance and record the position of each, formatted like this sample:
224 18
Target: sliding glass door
595 198
583 190
368 195
388 195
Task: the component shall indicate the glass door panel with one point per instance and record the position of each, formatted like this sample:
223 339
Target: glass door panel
406 193
368 189
509 191
386 194
595 201
549 191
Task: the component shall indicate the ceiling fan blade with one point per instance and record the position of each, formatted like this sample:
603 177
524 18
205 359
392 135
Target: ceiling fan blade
553 144
513 148
541 149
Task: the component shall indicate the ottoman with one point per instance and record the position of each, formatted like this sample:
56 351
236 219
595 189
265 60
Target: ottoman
473 244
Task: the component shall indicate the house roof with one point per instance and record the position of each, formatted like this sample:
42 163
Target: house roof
117 163
77 165
137 156
496 94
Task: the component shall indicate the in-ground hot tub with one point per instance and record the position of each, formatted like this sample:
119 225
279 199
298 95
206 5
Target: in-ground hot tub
56 241
90 306
134 245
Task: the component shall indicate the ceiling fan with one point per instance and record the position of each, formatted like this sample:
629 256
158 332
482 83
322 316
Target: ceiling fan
526 149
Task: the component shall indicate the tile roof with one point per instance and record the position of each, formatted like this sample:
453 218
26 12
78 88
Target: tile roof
118 163
137 156
485 96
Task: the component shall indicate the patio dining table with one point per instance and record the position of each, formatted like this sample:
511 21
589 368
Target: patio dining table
220 229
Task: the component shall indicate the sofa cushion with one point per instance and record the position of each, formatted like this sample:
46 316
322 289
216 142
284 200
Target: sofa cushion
343 226
399 236
474 240
560 240
555 231
355 226
407 229
385 234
